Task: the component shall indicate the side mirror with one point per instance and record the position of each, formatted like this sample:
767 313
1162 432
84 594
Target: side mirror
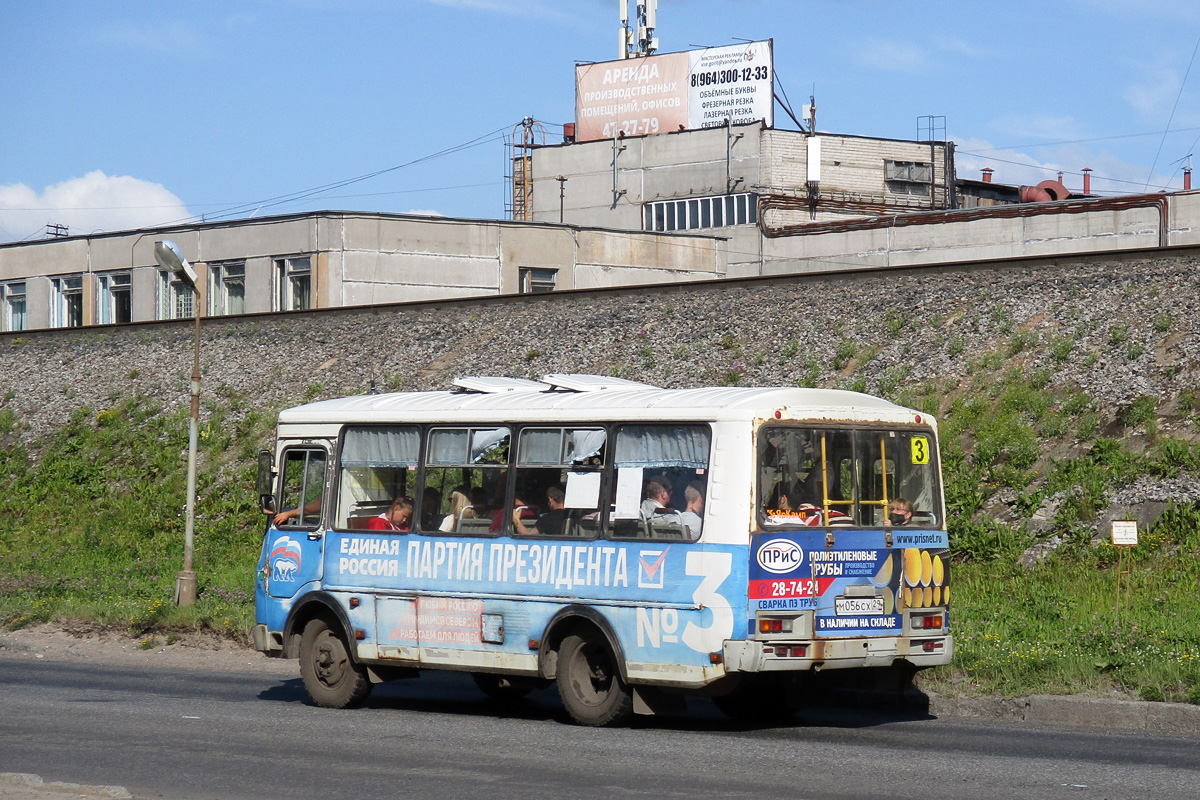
266 493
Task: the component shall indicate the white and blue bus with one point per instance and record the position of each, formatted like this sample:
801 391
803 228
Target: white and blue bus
630 543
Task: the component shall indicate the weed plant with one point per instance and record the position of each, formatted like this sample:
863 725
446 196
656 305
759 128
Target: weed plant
94 529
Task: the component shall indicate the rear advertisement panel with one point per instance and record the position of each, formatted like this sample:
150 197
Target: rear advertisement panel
674 91
855 587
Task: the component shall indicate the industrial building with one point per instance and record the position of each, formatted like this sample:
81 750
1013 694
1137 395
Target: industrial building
673 171
326 260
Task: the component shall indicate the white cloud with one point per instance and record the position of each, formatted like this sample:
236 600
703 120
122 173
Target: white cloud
95 202
1031 127
891 56
171 37
424 212
514 8
1110 175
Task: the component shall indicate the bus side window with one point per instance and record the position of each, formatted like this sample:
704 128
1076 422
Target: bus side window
559 474
375 466
471 462
661 482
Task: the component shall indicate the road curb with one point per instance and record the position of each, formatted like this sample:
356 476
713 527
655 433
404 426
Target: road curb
23 786
1079 712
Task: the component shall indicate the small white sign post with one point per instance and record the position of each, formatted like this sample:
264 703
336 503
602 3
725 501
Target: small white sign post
1124 536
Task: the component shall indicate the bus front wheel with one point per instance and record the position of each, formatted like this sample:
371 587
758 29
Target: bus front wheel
589 681
330 675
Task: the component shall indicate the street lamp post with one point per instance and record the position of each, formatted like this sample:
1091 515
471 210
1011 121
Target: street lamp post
170 257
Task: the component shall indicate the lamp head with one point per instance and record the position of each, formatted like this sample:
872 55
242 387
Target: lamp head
170 257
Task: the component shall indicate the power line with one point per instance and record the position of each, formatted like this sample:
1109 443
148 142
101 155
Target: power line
1172 117
303 194
1082 141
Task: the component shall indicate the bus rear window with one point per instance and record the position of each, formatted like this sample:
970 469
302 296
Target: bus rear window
813 476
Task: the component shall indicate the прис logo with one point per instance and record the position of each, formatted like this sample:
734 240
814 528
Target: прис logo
285 559
780 555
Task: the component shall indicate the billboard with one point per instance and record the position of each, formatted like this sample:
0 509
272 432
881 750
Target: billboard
674 91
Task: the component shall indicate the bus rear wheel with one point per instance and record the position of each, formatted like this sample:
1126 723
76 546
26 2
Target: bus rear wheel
589 681
330 675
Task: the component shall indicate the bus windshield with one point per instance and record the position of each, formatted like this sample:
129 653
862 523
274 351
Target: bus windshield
816 476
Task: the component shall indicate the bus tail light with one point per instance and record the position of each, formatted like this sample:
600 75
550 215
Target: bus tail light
791 651
931 621
930 646
772 625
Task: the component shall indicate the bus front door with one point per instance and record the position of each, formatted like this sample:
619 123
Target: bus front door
292 550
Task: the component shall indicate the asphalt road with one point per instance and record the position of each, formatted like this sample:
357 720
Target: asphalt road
172 733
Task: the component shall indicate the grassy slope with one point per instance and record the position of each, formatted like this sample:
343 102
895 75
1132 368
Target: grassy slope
91 529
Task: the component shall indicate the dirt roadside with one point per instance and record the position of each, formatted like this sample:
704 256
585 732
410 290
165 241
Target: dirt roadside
190 651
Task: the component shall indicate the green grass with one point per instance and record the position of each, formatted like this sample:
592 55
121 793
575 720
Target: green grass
91 527
1062 627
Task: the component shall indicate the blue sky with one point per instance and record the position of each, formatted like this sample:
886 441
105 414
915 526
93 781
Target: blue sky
127 114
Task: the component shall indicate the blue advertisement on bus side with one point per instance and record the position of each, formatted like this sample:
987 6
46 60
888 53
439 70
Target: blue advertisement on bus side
856 586
669 602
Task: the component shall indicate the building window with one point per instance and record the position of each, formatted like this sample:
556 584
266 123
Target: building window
537 281
66 302
175 297
294 280
12 306
227 288
908 177
701 212
115 301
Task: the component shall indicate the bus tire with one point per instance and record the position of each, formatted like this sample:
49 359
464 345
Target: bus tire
589 681
500 687
330 675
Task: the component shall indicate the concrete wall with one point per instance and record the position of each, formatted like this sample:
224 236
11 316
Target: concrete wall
1070 227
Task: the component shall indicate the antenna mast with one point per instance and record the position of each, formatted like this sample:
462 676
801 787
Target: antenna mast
637 40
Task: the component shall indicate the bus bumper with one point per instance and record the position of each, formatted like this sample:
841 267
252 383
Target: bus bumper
818 654
266 641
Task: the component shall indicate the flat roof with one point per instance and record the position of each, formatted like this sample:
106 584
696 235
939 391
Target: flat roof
719 403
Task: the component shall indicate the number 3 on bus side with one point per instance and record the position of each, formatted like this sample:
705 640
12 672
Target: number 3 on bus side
920 450
713 568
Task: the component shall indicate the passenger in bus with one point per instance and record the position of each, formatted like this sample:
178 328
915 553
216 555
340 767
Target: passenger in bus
520 509
693 515
900 511
658 500
479 502
460 509
783 507
398 517
431 505
548 524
